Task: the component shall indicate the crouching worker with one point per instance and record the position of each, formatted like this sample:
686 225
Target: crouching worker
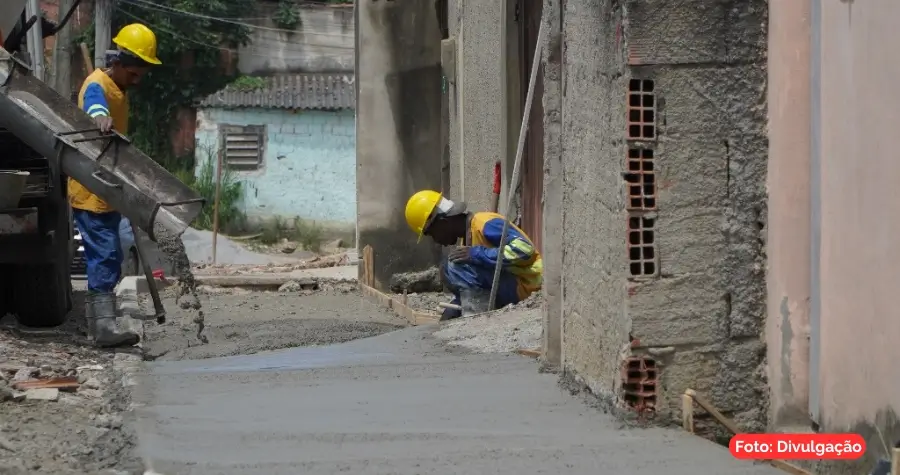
103 98
468 269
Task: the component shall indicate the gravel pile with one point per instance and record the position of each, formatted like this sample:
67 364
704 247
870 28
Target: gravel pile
505 330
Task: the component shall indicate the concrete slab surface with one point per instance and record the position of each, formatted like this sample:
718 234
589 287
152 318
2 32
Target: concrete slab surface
398 403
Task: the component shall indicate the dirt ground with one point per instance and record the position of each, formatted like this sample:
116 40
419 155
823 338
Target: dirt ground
81 431
244 322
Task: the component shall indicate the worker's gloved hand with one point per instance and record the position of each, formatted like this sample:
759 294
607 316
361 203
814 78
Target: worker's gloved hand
460 254
104 123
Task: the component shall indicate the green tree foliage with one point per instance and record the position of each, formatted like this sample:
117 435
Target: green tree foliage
190 47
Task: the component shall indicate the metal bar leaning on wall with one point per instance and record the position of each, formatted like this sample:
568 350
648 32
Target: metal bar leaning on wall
520 149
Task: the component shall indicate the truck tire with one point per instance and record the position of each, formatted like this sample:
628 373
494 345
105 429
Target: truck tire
40 295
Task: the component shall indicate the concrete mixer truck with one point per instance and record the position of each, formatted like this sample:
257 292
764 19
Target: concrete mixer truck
45 138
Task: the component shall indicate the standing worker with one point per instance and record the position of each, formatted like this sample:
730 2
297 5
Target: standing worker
103 98
470 268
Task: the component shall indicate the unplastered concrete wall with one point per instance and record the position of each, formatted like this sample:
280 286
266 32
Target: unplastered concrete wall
595 321
322 41
699 309
398 132
476 91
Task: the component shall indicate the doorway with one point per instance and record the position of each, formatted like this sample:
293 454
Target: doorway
529 22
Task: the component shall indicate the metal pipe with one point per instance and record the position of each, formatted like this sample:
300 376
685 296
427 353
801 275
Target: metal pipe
520 149
148 274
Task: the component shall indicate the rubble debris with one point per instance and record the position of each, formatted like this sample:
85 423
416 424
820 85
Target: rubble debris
416 282
288 247
26 374
30 437
42 394
187 298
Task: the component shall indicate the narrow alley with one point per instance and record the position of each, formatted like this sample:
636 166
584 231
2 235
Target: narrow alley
391 237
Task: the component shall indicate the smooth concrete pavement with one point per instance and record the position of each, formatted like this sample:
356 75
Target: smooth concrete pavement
398 404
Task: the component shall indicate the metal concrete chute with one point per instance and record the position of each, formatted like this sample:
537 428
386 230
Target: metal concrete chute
106 164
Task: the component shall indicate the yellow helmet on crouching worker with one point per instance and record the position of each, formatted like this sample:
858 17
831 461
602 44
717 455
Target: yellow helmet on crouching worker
426 205
138 40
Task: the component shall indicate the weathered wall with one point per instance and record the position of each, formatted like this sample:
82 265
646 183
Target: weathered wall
595 322
700 312
481 86
788 277
708 301
553 212
857 174
308 168
398 127
321 42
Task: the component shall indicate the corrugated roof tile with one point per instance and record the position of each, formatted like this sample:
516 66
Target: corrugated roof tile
296 91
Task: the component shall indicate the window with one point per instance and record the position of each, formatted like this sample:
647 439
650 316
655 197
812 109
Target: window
243 146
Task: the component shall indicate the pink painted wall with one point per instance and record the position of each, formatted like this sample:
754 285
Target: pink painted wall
788 277
860 225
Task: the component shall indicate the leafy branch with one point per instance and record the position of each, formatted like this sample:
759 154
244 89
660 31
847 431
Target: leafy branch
286 15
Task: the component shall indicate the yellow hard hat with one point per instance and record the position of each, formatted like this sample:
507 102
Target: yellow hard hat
419 209
138 40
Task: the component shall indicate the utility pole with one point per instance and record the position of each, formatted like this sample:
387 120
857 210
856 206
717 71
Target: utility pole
62 54
103 10
35 39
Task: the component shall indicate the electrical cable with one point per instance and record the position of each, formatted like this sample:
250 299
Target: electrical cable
164 8
221 48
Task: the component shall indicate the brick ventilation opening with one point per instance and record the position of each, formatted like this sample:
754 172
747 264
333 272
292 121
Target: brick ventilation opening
641 178
640 383
641 110
641 246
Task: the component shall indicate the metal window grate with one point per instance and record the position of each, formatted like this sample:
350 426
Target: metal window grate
243 146
641 177
641 110
642 246
640 383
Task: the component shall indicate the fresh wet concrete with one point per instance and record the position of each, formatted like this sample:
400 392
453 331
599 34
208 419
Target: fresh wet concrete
249 322
398 403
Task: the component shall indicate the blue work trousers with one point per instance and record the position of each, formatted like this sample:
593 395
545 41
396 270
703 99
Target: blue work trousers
102 250
469 275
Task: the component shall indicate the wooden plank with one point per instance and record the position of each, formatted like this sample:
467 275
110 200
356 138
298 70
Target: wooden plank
66 383
531 353
259 280
422 318
396 304
733 427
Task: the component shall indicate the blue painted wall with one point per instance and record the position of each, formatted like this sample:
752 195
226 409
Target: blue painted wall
309 164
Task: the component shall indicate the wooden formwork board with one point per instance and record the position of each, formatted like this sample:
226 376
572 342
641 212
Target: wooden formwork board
398 306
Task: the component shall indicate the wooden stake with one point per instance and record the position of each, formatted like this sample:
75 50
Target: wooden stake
369 266
215 230
895 461
86 58
687 412
731 426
